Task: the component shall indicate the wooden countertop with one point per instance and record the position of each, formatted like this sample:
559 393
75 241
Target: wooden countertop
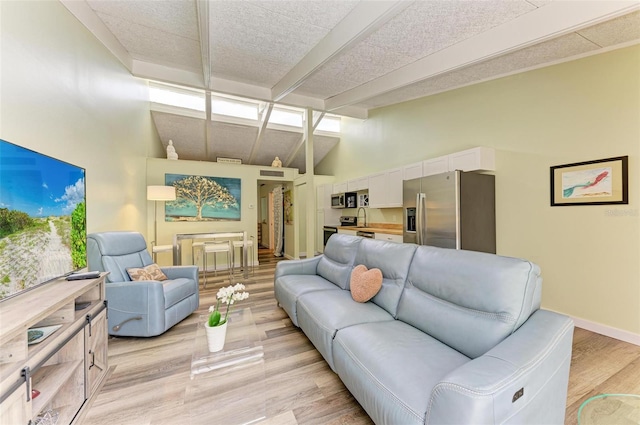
387 228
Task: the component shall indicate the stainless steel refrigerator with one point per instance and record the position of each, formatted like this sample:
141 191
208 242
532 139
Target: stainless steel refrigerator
451 210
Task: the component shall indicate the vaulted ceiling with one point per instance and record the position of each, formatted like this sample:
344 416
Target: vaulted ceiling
343 57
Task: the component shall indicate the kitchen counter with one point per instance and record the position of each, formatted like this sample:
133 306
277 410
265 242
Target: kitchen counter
388 228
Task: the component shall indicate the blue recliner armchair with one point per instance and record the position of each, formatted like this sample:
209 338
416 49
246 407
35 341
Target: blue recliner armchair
140 308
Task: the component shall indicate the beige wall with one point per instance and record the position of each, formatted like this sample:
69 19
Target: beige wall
579 111
63 94
250 202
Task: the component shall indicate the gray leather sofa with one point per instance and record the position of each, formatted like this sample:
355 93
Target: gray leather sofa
453 337
142 308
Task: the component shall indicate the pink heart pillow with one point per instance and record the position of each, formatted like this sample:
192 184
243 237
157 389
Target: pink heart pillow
364 283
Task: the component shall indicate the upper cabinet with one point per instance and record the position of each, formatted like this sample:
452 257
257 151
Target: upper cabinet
385 189
475 159
340 187
412 171
355 185
435 165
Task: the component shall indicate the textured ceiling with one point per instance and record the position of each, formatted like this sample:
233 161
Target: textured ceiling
343 57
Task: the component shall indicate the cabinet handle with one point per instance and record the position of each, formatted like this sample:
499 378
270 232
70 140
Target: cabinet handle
93 358
26 372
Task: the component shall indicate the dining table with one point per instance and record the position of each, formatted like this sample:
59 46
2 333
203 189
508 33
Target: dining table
179 237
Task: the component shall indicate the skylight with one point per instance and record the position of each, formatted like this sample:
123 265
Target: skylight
285 117
234 108
181 98
329 123
239 110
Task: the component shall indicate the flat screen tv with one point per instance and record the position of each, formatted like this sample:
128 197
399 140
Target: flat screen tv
42 219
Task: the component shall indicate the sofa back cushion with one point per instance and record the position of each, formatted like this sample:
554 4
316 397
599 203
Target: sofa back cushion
469 300
337 261
393 259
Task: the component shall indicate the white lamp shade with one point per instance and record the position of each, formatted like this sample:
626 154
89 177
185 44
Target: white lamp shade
161 193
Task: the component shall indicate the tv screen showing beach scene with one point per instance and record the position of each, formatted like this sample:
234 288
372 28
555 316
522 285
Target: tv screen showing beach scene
42 219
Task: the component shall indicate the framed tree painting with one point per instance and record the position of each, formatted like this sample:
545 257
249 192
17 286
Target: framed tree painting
600 182
203 198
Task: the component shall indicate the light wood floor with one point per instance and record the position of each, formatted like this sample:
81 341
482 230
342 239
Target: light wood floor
149 376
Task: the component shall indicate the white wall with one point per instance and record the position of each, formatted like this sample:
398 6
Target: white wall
63 94
578 111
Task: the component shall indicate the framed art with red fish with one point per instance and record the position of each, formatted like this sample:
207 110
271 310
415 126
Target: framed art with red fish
600 182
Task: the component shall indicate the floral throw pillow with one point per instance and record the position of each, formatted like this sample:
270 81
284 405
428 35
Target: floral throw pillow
151 272
364 283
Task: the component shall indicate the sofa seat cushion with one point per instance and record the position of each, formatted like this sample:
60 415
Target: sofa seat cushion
289 288
176 290
322 313
391 368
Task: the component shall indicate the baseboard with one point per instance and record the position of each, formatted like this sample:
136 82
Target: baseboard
609 331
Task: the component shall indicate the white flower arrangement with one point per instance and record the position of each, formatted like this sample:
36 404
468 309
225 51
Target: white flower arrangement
228 295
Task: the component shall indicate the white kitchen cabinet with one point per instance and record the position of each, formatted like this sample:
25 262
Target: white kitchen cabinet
476 159
435 165
347 232
389 237
377 190
412 171
394 188
340 187
385 189
355 185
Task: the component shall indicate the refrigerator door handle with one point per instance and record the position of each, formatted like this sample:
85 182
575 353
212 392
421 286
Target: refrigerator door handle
421 219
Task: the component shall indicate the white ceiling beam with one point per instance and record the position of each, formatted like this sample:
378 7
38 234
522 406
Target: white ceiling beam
235 88
202 11
167 74
317 117
83 12
364 19
207 126
550 21
264 120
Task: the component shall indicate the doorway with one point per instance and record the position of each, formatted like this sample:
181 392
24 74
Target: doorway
266 214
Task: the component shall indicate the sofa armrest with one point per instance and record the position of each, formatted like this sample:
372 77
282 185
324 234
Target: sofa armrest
175 272
306 266
523 379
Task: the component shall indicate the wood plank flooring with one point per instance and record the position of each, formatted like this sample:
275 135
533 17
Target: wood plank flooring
149 376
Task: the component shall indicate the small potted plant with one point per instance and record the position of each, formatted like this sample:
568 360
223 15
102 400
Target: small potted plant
216 325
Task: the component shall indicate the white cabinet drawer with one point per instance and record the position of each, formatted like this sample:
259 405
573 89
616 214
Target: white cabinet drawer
388 237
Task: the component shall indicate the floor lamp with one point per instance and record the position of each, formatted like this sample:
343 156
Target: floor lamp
155 194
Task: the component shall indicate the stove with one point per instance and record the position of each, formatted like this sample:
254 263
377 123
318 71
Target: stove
348 221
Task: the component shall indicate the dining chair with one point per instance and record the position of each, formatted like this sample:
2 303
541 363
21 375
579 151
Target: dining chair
216 247
241 246
155 249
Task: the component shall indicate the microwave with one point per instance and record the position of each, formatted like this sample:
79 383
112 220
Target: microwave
344 200
337 200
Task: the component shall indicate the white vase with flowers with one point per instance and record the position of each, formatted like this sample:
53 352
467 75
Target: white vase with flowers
216 325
